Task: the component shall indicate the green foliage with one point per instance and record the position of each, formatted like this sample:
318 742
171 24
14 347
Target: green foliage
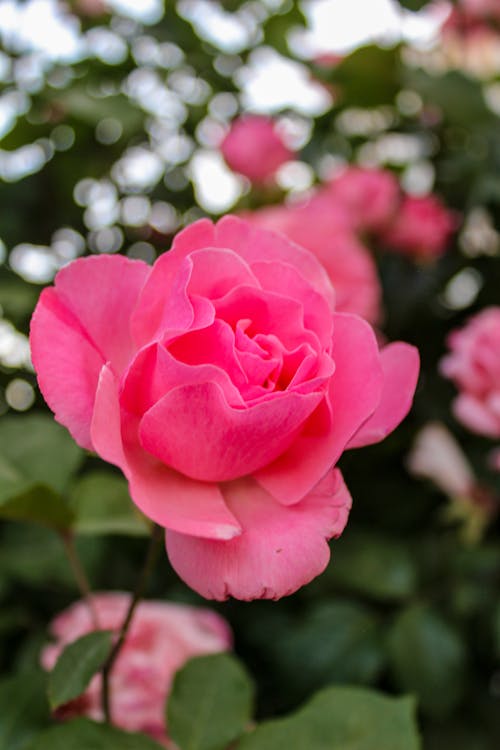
335 642
23 709
76 666
369 77
210 704
87 735
37 460
102 505
341 718
428 658
374 566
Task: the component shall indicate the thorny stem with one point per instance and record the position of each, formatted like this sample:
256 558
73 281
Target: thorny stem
147 568
82 581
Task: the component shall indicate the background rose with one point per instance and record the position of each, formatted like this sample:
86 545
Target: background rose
422 228
474 366
161 639
370 197
254 147
225 386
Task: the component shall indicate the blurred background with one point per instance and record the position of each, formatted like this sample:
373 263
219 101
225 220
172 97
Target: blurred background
113 120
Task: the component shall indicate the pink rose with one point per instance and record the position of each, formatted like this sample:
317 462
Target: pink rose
474 366
255 148
326 230
162 637
369 196
422 228
225 386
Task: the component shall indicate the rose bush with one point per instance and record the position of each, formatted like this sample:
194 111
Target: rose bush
254 148
225 385
162 637
473 364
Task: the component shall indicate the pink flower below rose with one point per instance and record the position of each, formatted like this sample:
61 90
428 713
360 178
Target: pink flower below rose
473 364
162 637
226 386
255 148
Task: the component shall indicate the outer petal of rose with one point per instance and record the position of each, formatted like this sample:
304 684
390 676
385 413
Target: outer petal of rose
102 293
280 549
230 442
168 498
67 365
400 364
355 392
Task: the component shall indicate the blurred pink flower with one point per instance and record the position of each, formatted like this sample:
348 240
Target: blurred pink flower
370 197
437 456
161 639
255 148
474 366
326 230
422 227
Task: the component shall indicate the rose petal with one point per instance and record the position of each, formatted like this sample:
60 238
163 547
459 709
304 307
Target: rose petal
282 278
400 365
177 502
164 307
230 442
166 497
232 271
155 371
256 245
355 390
102 292
280 549
67 365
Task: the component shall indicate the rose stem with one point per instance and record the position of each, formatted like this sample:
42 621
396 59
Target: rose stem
81 579
147 568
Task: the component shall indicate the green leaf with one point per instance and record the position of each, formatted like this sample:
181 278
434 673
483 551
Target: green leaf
341 718
24 501
34 447
23 708
333 642
82 734
76 666
37 459
428 659
414 4
369 77
373 565
102 505
210 703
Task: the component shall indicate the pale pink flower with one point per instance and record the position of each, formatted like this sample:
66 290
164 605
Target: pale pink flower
162 637
255 148
422 228
473 364
226 386
437 456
